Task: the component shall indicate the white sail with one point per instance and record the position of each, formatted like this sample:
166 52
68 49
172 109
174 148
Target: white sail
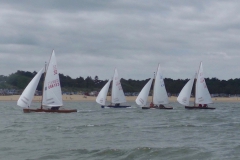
52 94
102 95
25 99
160 95
184 95
117 91
202 94
143 95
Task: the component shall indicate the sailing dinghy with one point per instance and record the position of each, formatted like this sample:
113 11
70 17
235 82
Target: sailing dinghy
52 94
160 96
117 95
202 95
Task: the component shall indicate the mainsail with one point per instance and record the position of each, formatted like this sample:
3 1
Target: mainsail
102 95
117 91
26 98
143 95
52 94
202 94
160 95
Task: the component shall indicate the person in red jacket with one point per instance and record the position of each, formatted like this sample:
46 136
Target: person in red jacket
151 105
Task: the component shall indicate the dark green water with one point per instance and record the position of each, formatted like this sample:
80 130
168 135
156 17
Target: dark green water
94 133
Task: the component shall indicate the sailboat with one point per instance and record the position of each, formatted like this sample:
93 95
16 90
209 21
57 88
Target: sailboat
202 95
52 94
117 95
160 96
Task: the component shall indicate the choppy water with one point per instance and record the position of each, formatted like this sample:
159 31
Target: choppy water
94 133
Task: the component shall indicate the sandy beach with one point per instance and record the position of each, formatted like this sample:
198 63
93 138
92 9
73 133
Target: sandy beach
128 98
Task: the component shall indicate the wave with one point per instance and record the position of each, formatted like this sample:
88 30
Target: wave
141 153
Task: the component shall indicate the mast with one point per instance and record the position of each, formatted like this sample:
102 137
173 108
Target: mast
195 80
111 85
196 84
46 67
44 82
111 92
154 77
154 82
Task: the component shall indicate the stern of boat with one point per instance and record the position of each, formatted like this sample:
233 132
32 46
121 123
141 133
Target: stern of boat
26 110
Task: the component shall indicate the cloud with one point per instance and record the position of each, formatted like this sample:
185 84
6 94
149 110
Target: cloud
93 37
221 55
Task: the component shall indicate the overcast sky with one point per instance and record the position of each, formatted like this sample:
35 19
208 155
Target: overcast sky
93 37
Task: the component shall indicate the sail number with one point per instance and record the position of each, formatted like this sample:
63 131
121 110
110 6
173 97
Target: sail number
53 83
161 81
55 69
203 82
118 84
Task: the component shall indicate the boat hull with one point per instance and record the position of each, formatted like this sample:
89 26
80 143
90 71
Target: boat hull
165 107
195 107
27 110
118 106
145 107
157 107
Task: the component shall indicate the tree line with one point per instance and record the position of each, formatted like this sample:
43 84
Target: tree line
20 79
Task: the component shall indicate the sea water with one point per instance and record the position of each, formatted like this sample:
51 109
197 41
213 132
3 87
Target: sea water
94 133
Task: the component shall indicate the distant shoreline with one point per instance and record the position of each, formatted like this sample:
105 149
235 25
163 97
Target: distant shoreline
128 98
